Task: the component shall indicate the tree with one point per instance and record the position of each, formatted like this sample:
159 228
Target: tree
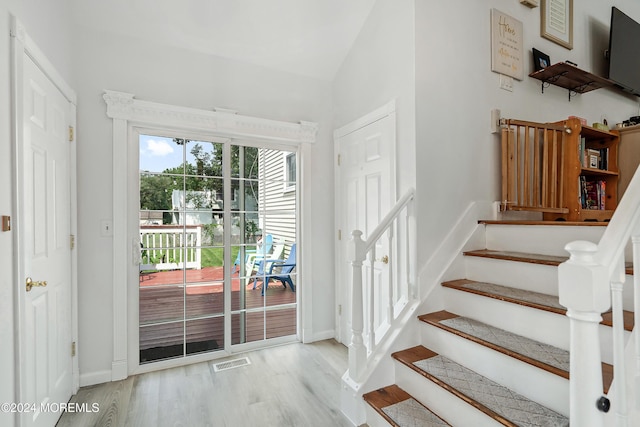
203 176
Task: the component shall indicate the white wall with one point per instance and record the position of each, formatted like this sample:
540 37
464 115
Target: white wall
455 91
179 77
48 26
379 68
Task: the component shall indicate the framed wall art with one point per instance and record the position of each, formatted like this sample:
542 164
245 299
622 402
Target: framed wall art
556 21
540 60
506 45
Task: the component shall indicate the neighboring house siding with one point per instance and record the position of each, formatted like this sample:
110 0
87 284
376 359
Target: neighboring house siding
277 197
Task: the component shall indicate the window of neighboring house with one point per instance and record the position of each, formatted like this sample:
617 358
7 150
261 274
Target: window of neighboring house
290 171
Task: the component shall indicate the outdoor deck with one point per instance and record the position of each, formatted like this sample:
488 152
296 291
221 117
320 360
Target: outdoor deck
163 298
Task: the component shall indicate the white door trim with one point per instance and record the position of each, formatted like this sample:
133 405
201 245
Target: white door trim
386 110
127 113
389 109
22 44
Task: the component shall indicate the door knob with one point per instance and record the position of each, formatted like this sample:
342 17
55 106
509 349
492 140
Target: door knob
385 259
31 283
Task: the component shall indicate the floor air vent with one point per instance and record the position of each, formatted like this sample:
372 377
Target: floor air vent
236 363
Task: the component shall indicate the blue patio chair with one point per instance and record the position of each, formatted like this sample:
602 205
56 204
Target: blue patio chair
283 275
264 248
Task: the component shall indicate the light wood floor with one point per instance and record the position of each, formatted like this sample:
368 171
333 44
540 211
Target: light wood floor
289 385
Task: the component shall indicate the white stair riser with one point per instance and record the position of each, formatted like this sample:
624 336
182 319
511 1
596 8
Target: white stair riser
536 384
549 328
444 404
539 325
521 275
374 419
547 240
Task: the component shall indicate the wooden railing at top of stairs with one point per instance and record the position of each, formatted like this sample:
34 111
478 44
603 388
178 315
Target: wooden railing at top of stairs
533 166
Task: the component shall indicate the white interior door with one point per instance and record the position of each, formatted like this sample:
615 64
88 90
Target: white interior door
366 191
46 328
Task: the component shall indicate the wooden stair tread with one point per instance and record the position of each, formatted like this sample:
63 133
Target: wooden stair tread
395 405
540 355
531 258
527 298
549 223
476 390
505 293
386 396
510 344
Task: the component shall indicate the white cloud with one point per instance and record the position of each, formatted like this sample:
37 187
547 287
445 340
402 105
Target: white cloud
159 148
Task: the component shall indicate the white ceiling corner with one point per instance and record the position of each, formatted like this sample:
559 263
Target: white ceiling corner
305 37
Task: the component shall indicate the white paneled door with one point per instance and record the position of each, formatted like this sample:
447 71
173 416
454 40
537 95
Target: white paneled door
366 190
46 350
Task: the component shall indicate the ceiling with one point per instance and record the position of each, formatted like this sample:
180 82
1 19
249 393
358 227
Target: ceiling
306 37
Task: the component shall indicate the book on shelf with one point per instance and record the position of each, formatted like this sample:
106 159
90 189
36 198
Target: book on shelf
592 193
604 159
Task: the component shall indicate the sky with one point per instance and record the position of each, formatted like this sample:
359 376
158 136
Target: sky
158 153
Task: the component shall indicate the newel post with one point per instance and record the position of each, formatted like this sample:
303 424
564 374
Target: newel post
584 290
357 349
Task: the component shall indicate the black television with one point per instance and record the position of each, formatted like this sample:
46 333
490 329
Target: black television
624 52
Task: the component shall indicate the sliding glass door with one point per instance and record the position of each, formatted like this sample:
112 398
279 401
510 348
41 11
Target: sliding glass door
217 227
264 185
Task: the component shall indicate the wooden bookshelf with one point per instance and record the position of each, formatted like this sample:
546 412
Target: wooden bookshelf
576 171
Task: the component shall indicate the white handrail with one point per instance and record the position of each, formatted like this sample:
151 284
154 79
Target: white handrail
360 349
386 222
590 283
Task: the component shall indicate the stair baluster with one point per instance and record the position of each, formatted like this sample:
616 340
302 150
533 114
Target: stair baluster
592 276
357 349
581 290
617 286
636 310
368 310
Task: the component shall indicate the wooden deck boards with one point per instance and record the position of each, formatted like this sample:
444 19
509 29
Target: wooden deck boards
204 305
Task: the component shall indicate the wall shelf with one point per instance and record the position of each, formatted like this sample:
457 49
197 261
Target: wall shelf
570 77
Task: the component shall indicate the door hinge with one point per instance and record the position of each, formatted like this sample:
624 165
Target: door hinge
339 234
71 134
72 241
339 309
73 349
339 159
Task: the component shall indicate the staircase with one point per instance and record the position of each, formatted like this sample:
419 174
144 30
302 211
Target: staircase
494 345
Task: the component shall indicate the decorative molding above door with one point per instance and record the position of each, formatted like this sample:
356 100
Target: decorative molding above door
121 105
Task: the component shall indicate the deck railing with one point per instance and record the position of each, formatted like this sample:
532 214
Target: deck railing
170 247
379 296
590 283
532 166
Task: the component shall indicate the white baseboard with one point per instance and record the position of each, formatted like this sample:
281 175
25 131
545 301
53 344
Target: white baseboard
94 378
119 370
460 234
322 335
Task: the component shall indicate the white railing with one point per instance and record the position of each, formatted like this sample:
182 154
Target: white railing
378 297
590 283
170 247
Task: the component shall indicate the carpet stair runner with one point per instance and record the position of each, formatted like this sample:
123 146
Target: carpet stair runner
505 406
400 409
